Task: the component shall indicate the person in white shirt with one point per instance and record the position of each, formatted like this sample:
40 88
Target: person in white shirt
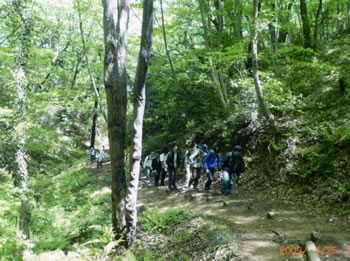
163 157
147 165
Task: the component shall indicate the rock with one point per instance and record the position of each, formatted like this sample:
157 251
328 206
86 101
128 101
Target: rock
330 220
217 204
199 196
271 214
316 236
228 202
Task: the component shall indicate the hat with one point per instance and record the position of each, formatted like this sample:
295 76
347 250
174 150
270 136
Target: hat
204 148
238 149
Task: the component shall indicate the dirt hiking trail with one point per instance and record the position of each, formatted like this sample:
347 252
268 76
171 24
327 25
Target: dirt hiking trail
258 236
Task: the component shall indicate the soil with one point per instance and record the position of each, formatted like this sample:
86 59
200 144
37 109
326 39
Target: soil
245 213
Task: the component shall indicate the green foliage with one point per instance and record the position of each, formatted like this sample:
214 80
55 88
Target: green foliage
12 241
342 135
303 70
183 235
153 220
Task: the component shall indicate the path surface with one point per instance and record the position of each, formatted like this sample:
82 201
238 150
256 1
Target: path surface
259 238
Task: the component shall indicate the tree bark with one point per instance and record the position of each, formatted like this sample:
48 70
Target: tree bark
21 151
77 68
115 79
258 87
166 47
348 15
238 19
12 33
54 63
139 108
93 127
282 37
306 26
95 87
209 47
272 29
319 10
220 18
21 82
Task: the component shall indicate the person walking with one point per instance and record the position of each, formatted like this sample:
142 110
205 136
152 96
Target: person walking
210 162
147 165
157 167
173 162
163 157
233 165
92 153
103 152
99 157
195 165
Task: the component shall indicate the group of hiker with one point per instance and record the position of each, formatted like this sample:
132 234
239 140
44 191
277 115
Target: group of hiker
197 158
99 155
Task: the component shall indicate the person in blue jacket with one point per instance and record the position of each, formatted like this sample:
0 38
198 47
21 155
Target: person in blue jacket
210 162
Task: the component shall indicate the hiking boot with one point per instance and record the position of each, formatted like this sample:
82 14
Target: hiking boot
208 189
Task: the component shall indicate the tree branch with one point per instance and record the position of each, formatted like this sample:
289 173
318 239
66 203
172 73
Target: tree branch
12 33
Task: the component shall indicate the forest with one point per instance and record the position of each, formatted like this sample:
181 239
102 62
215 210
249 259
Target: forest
163 89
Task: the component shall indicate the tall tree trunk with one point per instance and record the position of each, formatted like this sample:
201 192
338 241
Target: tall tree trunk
238 19
97 102
348 14
340 22
21 82
77 68
209 47
258 87
282 37
139 108
220 21
319 10
306 26
166 47
93 127
272 29
115 79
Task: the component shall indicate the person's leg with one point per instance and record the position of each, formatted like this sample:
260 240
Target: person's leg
237 178
156 178
148 174
224 181
163 173
229 184
188 175
210 179
197 177
170 170
174 178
